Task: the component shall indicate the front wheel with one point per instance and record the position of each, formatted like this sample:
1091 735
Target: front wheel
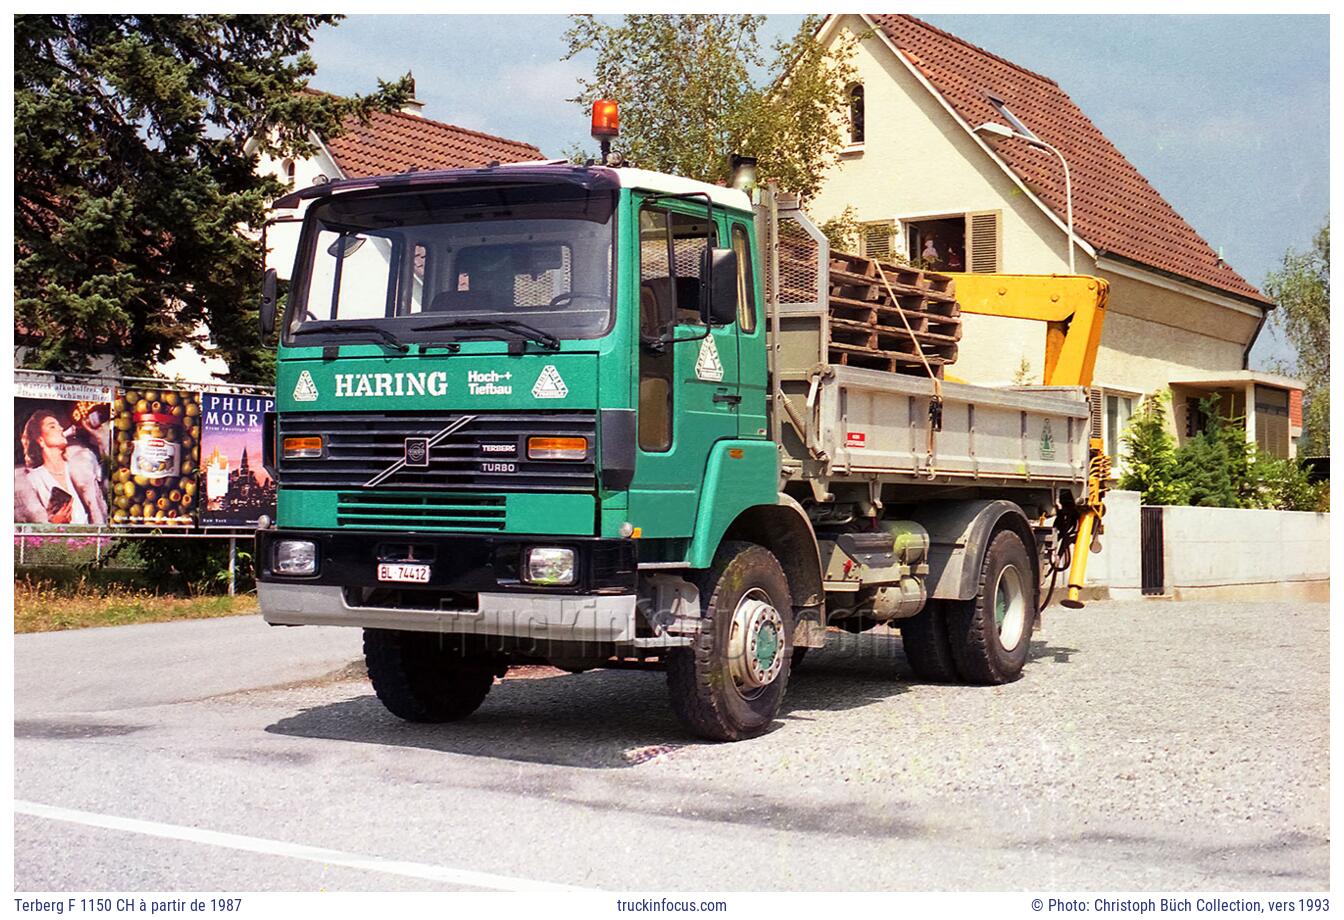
421 678
729 684
990 634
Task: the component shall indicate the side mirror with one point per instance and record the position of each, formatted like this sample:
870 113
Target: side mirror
266 312
719 300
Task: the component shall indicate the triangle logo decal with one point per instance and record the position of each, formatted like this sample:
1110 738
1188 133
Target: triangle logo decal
707 365
549 384
305 390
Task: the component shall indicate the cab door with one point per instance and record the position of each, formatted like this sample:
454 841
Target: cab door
689 394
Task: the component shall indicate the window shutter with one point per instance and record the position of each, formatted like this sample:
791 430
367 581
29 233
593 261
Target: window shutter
877 239
982 242
1095 404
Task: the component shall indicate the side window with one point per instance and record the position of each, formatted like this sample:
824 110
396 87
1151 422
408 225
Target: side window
690 237
655 293
656 310
746 293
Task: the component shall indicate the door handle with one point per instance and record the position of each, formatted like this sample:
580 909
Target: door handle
731 399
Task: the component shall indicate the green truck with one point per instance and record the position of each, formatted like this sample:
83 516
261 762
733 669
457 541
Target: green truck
583 415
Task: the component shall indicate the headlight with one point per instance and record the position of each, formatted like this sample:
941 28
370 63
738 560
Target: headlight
295 557
557 448
548 565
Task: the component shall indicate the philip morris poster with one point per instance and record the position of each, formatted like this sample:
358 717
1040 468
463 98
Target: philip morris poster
157 455
238 490
62 440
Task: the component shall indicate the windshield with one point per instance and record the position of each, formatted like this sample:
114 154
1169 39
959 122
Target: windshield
492 259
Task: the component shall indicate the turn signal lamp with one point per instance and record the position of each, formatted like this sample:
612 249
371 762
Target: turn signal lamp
302 448
557 448
606 119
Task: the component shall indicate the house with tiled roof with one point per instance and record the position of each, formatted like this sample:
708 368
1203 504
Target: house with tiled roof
389 142
929 183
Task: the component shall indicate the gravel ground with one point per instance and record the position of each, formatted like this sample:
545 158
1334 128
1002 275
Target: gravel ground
1151 745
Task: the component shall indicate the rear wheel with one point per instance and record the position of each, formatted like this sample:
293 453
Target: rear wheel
924 638
729 684
990 634
421 678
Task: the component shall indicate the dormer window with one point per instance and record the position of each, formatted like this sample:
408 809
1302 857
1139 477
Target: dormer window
1002 108
855 94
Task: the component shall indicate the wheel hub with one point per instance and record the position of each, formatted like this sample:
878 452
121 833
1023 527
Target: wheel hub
756 643
1010 607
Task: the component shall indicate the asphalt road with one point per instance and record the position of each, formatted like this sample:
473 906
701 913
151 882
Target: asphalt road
1151 745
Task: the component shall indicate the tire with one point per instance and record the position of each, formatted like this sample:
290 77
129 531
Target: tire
708 691
990 635
421 678
924 638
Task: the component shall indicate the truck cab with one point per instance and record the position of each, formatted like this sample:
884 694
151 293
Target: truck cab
502 391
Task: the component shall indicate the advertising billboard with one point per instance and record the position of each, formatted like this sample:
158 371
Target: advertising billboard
157 456
236 489
62 442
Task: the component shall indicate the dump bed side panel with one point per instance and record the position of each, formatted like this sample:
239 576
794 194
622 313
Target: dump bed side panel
875 423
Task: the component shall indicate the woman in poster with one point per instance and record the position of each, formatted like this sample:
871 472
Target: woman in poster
61 482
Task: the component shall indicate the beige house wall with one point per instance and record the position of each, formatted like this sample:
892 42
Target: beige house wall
919 161
282 237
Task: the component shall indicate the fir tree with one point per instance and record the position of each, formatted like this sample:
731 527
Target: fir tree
137 200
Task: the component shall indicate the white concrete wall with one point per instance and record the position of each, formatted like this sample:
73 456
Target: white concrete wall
1206 547
1117 566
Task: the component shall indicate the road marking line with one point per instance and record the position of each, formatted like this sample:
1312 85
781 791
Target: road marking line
290 850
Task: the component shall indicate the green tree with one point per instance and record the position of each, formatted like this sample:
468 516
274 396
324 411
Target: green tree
1150 454
691 98
1216 466
137 201
1284 485
1302 291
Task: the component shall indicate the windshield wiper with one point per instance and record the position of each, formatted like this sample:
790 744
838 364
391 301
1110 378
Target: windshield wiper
385 337
517 327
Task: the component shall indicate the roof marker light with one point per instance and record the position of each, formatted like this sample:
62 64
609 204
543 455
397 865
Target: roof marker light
606 119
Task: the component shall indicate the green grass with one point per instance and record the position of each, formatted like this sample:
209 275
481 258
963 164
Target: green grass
43 606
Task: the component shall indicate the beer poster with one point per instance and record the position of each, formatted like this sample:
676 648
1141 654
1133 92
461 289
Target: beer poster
62 442
157 456
237 489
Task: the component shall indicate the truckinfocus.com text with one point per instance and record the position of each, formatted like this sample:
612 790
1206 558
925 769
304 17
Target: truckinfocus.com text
658 905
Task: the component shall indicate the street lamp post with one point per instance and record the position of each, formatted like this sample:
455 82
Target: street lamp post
997 130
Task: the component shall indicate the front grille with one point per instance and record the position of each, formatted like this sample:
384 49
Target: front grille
403 512
489 452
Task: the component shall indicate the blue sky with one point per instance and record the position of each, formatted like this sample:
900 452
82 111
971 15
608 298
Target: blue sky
1227 116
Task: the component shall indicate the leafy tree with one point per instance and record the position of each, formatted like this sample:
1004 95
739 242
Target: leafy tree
690 97
1302 291
1284 485
137 201
843 231
1150 454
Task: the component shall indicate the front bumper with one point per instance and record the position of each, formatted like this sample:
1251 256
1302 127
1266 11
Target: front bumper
460 564
542 617
474 586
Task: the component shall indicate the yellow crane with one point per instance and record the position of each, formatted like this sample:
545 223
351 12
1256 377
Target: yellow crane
1073 307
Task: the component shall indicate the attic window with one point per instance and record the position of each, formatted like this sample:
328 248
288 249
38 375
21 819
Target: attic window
1002 108
856 114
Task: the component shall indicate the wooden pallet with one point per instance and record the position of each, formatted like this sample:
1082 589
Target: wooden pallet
876 322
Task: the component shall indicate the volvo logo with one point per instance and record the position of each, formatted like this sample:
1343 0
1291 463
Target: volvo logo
417 452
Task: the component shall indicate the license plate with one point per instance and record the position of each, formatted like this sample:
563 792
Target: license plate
402 571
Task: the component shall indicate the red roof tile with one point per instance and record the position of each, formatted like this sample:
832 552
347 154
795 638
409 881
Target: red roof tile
1115 209
394 142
